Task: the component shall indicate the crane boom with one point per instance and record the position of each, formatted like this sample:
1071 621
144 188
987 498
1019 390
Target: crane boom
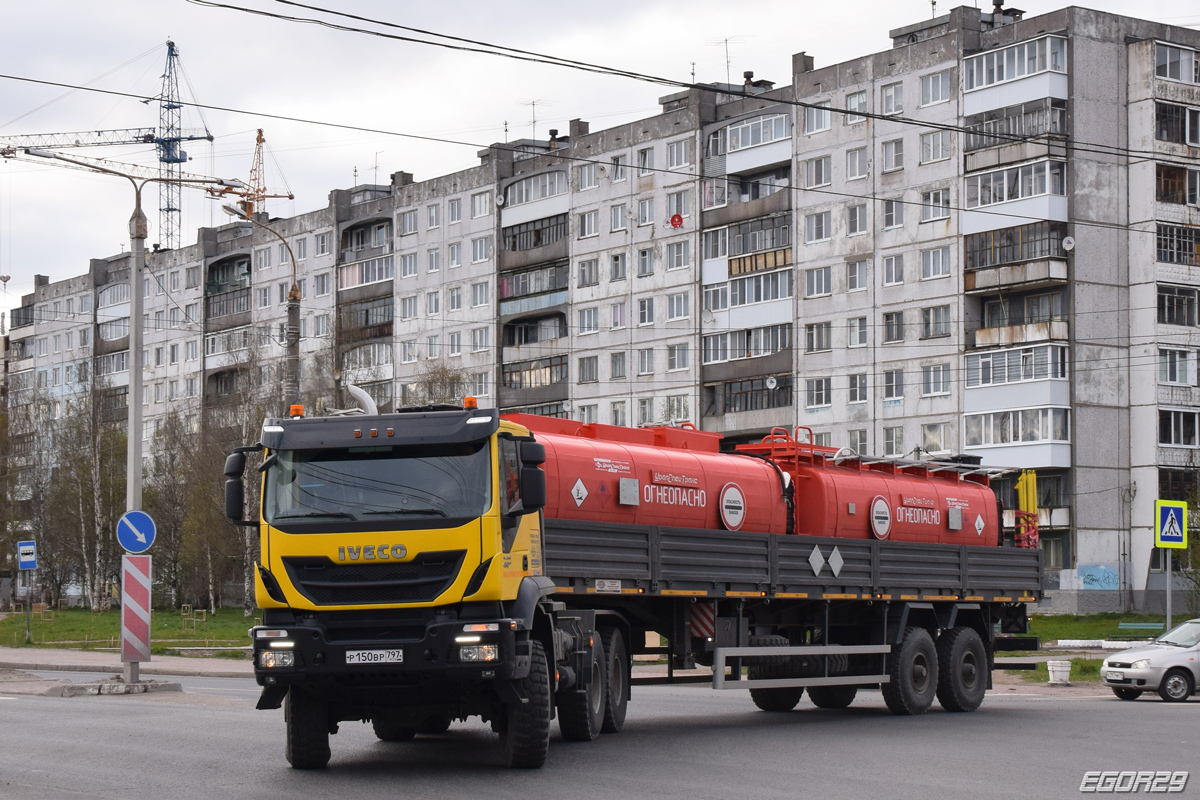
138 172
79 139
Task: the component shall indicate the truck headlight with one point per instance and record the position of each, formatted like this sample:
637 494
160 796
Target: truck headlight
270 659
478 652
1143 664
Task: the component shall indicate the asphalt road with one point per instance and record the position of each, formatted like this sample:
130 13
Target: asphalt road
680 742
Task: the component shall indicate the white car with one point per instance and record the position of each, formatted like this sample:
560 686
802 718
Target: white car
1170 665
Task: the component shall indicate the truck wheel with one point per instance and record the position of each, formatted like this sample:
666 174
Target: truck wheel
307 721
618 680
581 714
832 696
389 731
1127 694
913 670
962 669
779 699
439 724
526 735
1176 686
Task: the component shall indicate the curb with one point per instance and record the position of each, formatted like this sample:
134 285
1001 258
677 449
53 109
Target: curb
165 671
110 688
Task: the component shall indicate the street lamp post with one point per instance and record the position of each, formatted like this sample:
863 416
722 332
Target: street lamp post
291 377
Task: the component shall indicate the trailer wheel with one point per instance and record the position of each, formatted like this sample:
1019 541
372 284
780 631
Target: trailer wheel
778 699
526 734
1127 694
438 724
618 680
913 670
962 669
307 721
388 731
832 696
581 713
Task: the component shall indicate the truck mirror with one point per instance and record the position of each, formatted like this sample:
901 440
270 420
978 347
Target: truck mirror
533 453
235 465
235 495
533 489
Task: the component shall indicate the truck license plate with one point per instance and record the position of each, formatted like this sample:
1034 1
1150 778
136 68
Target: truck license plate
1116 676
374 656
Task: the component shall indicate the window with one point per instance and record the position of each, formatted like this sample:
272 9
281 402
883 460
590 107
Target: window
322 244
192 350
714 193
677 154
855 102
760 288
893 270
408 352
857 441
645 161
481 204
816 117
408 265
751 343
1043 307
856 275
479 384
679 254
716 298
856 332
677 356
1177 185
858 388
645 263
587 177
935 88
817 172
893 326
716 143
715 243
432 347
454 254
645 361
817 392
454 298
935 379
893 155
191 281
935 146
433 303
175 317
589 320
481 249
758 130
480 294
1017 61
617 267
677 407
935 321
620 165
1176 64
935 205
454 211
455 343
856 163
1013 366
589 272
321 284
408 307
893 442
262 258
761 234
933 437
408 222
935 263
893 213
264 296
816 227
646 311
892 98
1173 367
679 305
646 211
617 365
1024 425
588 370
479 339
856 220
321 325
817 282
589 224
1177 245
817 337
618 413
1177 428
620 217
679 203
1016 183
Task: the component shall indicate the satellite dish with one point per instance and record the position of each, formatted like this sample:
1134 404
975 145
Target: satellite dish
1068 243
566 405
772 383
499 200
709 317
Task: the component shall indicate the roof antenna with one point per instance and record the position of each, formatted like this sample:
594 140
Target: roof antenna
932 8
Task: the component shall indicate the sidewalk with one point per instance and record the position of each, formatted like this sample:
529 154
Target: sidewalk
43 658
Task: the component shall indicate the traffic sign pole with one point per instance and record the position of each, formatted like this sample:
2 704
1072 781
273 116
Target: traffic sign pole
1170 533
135 533
27 562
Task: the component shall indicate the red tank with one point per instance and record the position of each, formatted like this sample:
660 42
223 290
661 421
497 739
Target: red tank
679 477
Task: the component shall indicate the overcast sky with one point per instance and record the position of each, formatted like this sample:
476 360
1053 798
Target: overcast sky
53 220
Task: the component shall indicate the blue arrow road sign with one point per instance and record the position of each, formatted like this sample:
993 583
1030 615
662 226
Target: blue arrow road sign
135 531
27 555
1170 524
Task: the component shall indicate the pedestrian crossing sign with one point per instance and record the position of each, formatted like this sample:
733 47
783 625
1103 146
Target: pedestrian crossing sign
1170 526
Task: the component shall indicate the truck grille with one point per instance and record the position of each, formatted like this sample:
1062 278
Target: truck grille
327 583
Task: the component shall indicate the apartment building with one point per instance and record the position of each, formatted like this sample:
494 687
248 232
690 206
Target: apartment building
984 241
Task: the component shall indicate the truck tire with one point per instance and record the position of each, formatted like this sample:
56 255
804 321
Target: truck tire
307 721
1176 686
962 669
618 680
778 699
581 714
1127 694
438 724
832 696
913 670
526 734
389 731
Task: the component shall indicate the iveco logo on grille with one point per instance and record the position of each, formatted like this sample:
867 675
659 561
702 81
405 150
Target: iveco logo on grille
372 552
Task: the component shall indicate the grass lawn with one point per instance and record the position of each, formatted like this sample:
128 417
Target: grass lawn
1092 626
82 630
1083 670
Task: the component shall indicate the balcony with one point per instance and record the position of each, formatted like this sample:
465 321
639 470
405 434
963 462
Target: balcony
351 254
227 303
1030 275
778 202
1009 335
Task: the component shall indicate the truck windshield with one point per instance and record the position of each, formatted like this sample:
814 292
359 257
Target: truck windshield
378 483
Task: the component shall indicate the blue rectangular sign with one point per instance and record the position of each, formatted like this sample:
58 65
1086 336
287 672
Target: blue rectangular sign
1170 524
27 555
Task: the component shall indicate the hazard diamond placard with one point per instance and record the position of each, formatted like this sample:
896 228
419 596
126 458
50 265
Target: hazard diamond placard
1170 523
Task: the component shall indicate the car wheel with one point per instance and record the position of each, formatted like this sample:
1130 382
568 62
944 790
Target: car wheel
1127 694
1176 686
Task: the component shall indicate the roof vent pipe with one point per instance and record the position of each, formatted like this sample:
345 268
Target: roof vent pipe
364 399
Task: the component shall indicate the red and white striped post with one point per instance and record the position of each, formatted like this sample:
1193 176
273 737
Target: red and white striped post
135 614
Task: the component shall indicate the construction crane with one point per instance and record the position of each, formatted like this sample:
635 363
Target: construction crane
170 151
10 144
256 192
137 172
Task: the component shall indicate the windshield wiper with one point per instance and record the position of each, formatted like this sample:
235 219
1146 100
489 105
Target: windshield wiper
437 511
301 515
1168 641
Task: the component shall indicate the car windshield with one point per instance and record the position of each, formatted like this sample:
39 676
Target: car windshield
1186 635
377 483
